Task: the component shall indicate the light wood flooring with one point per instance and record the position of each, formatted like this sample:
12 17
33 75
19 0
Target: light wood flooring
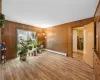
78 55
47 66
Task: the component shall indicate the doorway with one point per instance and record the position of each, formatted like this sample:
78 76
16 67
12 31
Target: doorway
78 42
83 43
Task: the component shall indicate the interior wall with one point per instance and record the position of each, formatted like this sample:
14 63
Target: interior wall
80 33
0 12
97 51
59 38
0 6
97 20
88 43
74 40
1 77
9 36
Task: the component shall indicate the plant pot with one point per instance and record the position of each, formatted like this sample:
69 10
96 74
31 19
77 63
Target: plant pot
42 46
35 53
23 58
40 51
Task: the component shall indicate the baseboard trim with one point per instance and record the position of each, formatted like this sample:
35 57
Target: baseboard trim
74 50
61 53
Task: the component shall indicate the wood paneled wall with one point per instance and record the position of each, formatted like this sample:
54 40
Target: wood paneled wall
59 38
97 51
97 18
0 12
9 35
0 6
96 66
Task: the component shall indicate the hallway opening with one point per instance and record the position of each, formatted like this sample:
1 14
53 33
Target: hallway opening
83 43
78 42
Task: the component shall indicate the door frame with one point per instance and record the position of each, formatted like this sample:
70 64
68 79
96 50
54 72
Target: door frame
72 36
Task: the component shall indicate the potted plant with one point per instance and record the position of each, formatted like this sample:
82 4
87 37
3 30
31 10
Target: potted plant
39 46
2 20
30 47
23 51
34 44
29 43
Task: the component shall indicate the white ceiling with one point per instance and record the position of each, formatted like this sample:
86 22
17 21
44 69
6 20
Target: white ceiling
48 13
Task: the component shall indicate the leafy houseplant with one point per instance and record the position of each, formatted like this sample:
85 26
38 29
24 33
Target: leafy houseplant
39 46
29 42
34 44
2 20
30 47
22 52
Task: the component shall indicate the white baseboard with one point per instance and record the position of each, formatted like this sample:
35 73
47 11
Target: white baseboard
61 53
74 50
78 51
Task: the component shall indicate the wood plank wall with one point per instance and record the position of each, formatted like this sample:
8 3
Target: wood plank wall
9 35
0 12
0 6
59 38
97 18
97 52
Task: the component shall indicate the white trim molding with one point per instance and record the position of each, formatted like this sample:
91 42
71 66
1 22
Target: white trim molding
74 50
61 53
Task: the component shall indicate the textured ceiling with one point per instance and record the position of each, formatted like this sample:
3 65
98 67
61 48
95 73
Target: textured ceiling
48 13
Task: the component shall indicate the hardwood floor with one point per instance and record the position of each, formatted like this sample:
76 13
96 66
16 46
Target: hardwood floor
47 66
78 55
1 75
